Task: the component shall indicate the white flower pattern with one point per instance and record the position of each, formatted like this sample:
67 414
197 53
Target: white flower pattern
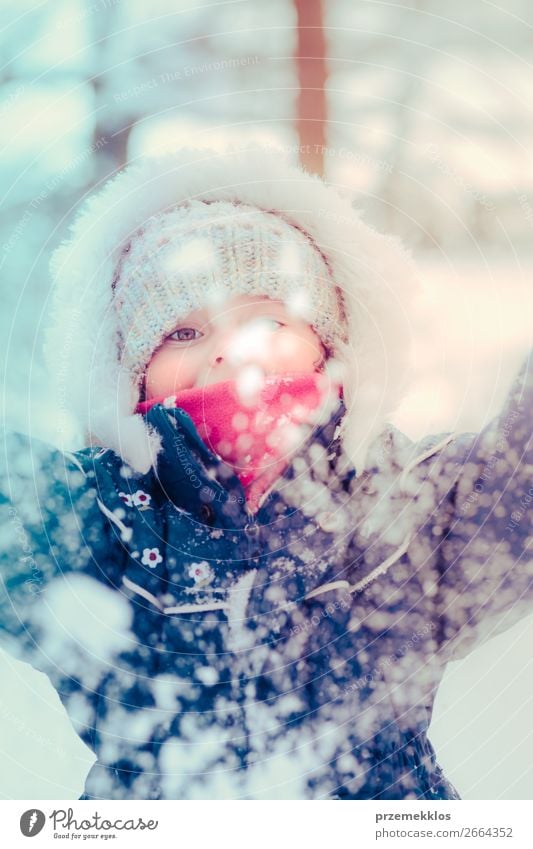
151 557
141 498
201 572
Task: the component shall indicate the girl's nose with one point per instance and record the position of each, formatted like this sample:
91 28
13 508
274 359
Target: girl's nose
236 345
219 354
223 348
218 368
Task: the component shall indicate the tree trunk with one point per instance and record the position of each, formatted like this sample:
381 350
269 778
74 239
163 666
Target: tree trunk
310 61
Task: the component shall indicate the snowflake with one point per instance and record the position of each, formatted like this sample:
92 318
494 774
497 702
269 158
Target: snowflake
151 557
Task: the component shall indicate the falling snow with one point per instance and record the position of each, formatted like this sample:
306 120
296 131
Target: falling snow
215 660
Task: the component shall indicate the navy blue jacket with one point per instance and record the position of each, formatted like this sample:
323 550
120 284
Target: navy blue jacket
204 652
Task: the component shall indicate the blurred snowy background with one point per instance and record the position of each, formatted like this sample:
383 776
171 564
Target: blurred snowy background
422 109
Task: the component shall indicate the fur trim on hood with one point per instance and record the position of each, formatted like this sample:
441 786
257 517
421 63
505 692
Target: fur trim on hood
374 272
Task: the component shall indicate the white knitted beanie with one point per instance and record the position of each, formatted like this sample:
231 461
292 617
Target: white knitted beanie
181 260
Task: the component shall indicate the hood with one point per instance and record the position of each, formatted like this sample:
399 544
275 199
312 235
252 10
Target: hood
375 273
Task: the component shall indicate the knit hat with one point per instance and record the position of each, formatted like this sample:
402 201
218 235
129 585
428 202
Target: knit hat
201 252
97 395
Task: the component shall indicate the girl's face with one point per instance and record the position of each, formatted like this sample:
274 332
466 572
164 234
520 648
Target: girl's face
209 346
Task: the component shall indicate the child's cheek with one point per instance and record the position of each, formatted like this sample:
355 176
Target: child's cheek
295 353
169 371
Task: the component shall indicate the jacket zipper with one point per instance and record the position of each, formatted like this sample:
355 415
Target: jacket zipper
252 529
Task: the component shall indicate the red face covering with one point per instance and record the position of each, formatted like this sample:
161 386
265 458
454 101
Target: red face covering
256 438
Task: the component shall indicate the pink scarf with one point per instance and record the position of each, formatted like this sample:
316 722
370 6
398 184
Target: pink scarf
258 438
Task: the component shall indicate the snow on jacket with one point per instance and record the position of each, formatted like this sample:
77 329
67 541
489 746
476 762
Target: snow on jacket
204 652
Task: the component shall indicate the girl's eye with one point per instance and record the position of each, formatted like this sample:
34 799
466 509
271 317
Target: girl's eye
185 334
190 334
273 322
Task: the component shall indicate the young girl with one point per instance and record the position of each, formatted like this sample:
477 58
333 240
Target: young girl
248 583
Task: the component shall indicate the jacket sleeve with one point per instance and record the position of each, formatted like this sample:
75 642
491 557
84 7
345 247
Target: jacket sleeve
58 560
484 581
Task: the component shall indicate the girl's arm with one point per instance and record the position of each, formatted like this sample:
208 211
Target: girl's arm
58 608
484 564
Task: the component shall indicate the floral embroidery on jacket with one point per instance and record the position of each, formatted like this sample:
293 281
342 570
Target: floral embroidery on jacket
201 572
139 499
151 557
